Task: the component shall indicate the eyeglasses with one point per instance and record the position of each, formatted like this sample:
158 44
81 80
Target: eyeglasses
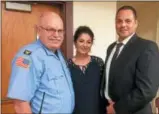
53 31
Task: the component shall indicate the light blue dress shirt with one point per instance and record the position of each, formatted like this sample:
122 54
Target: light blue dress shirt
43 79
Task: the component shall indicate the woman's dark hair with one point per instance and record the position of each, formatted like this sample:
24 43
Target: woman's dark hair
83 29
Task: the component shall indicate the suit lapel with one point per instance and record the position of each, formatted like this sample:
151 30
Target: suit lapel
127 50
124 55
121 58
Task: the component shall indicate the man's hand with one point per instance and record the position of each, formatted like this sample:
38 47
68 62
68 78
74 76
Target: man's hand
22 107
110 108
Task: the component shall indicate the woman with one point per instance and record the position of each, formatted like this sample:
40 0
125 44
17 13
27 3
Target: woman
86 72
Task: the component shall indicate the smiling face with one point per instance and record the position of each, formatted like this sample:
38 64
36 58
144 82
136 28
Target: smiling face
83 44
126 24
50 30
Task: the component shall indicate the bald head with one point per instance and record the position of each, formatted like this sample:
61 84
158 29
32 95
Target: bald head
50 30
45 17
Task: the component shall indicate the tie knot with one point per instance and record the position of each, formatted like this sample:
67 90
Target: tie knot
119 45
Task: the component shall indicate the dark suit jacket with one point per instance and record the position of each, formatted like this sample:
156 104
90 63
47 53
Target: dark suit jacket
134 77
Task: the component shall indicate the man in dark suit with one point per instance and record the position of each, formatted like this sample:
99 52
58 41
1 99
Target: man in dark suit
131 69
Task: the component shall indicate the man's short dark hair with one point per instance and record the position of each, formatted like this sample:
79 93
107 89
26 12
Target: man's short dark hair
128 8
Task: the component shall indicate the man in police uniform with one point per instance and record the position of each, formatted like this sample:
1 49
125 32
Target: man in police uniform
40 80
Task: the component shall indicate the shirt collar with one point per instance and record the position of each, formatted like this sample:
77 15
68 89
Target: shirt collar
125 41
48 51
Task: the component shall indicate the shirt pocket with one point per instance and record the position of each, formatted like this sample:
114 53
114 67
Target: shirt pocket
51 75
53 79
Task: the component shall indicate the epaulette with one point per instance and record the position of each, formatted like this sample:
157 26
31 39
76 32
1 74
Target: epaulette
27 52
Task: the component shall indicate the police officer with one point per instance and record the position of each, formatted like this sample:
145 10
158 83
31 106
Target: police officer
40 80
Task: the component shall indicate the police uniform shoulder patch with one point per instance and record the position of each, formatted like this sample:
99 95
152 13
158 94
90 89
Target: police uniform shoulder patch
22 62
27 52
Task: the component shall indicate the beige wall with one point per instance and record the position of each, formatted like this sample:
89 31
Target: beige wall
99 16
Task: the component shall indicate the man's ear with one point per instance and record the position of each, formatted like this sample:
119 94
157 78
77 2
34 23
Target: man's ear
37 30
36 27
136 23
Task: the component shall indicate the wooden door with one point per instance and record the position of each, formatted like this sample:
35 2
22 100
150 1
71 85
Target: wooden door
17 31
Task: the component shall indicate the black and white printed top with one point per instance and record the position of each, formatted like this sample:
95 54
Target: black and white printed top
87 83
